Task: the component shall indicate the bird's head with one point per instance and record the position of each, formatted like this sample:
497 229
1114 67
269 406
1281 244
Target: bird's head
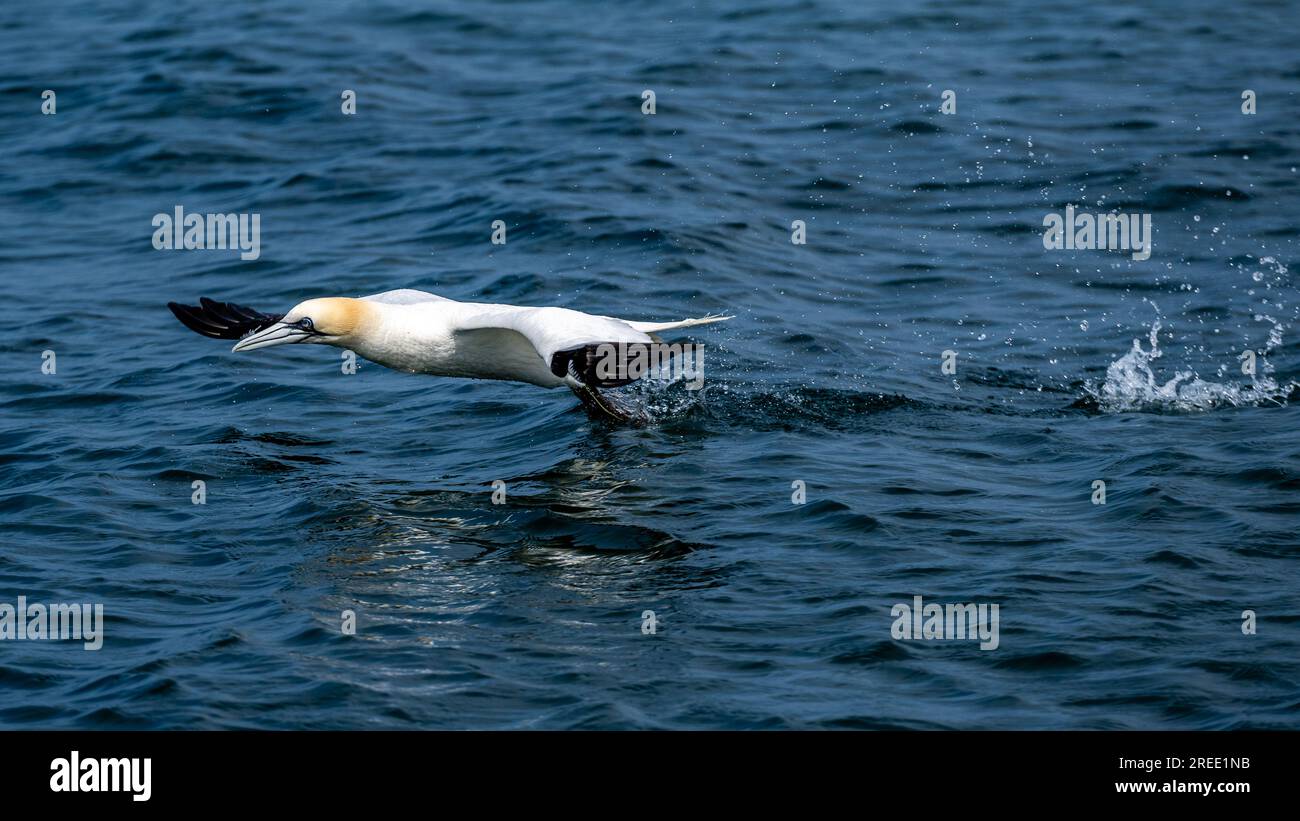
329 321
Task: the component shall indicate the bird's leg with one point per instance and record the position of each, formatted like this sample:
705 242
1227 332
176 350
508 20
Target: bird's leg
600 407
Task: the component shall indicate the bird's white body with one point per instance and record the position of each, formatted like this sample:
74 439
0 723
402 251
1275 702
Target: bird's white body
434 337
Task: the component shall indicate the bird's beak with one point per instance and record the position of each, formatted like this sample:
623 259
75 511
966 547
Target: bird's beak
277 334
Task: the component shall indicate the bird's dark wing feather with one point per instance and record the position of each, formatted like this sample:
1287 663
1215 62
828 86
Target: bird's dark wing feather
222 320
582 363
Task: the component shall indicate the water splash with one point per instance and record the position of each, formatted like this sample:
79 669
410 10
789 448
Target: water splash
672 391
1132 385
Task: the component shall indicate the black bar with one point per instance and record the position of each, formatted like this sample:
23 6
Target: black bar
216 770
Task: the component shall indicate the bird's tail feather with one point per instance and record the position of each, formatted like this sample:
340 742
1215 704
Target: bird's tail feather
651 327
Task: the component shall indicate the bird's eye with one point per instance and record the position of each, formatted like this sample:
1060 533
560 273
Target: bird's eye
306 324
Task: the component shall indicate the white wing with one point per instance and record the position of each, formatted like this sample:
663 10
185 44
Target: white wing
548 330
569 343
558 329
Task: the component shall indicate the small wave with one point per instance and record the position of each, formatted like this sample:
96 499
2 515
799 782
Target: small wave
673 404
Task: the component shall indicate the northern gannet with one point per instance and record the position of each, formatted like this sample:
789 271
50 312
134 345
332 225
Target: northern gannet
419 332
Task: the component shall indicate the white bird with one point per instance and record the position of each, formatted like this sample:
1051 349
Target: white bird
419 332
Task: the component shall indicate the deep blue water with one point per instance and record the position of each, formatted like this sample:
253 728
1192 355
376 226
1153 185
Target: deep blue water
372 492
